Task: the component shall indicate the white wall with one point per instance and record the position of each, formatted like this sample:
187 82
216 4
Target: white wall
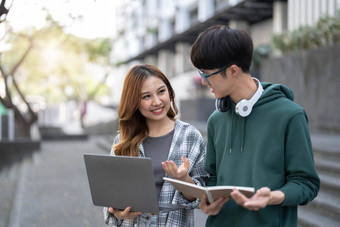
261 33
308 12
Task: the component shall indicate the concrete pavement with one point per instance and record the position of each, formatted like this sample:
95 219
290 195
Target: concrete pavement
52 188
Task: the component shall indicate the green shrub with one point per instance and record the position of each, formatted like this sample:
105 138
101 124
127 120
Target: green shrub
326 32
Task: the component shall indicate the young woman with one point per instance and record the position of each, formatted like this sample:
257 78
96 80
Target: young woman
148 128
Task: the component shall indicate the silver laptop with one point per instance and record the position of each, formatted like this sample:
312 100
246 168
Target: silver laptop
121 181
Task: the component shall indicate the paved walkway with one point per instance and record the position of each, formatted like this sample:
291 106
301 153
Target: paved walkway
53 188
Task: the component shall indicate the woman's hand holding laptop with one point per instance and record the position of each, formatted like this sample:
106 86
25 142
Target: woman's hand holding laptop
125 214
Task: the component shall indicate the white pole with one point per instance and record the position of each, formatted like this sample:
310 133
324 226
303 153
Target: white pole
11 128
0 126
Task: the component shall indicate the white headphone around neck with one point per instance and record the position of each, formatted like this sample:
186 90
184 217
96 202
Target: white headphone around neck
244 106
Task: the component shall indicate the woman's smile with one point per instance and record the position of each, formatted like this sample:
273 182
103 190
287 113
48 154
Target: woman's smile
158 111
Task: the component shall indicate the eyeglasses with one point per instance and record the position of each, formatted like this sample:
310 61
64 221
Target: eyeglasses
205 76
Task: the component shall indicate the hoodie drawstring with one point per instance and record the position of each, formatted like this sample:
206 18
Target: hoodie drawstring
231 132
242 132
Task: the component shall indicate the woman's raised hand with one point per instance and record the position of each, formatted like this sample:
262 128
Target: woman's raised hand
173 171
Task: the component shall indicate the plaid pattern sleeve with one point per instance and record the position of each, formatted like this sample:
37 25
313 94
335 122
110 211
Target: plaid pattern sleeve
188 142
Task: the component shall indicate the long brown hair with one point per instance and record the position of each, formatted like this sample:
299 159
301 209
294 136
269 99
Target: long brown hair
132 124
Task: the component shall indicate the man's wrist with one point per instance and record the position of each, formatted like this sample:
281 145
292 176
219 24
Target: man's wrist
276 198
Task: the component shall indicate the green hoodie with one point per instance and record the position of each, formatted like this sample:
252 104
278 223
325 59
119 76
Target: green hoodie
271 147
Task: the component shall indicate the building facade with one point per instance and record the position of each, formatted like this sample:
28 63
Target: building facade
162 32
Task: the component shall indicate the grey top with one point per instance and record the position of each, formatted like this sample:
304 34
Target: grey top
157 148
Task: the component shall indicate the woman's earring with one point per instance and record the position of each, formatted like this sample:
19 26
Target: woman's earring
172 106
173 110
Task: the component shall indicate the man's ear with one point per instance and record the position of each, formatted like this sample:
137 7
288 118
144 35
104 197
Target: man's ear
234 70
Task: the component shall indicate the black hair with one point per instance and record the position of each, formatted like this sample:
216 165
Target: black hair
220 46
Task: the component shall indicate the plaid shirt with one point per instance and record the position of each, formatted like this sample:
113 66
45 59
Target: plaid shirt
187 141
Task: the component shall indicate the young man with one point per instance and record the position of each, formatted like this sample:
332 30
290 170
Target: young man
257 138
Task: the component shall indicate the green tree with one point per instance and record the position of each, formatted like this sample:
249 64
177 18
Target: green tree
51 63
